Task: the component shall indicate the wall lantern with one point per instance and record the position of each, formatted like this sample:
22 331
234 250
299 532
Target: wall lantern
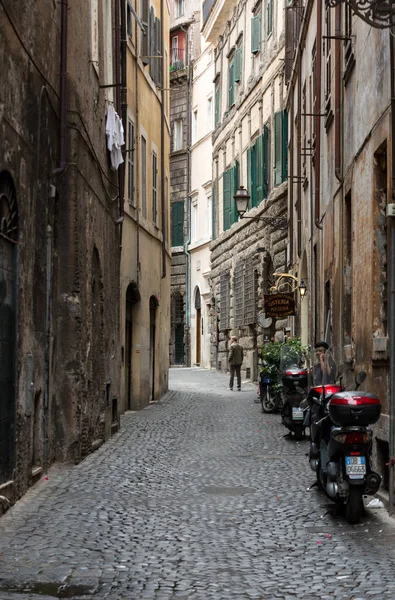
377 13
242 198
302 289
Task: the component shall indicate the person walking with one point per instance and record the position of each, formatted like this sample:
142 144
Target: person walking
236 354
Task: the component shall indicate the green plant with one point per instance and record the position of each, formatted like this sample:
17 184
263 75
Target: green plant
271 355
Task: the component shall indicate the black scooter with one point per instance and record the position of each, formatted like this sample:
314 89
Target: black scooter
341 442
294 380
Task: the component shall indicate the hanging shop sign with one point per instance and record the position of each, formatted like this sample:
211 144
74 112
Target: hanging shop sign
279 305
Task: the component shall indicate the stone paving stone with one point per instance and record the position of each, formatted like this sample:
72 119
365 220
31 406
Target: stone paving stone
198 498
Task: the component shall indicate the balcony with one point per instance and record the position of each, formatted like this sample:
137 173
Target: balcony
177 59
215 15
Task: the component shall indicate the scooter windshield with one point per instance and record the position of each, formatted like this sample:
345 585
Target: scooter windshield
291 356
324 369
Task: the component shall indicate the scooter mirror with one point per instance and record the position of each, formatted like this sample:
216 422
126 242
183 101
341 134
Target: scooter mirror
360 378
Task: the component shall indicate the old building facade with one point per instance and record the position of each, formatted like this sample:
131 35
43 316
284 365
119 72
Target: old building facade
59 239
249 149
184 46
145 265
341 168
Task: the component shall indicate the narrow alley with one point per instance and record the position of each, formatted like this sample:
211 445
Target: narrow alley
198 497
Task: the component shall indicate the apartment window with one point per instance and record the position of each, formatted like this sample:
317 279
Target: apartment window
180 8
327 46
214 211
130 162
144 38
209 213
239 293
143 176
280 146
95 34
177 224
217 104
258 169
194 126
209 113
154 187
129 20
256 31
230 185
349 57
194 220
269 17
238 69
225 301
177 135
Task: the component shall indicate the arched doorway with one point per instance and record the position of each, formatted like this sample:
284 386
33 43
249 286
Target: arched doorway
198 309
153 305
177 318
8 265
132 298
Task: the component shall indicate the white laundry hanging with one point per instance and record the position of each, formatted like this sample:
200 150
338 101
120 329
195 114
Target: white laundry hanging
115 137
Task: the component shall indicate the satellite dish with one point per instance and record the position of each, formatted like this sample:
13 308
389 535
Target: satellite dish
264 321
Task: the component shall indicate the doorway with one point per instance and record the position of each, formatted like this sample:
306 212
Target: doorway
132 298
198 309
8 264
153 305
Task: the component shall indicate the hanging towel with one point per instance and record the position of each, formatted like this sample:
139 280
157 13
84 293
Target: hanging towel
115 137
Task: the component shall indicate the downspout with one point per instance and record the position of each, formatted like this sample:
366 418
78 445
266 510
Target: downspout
63 89
120 80
299 158
162 142
318 117
47 347
291 180
391 263
338 170
188 240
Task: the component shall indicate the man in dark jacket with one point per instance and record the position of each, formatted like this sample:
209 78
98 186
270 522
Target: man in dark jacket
235 360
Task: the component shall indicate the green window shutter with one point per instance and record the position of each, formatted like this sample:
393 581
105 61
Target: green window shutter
144 45
278 149
217 105
284 164
214 210
253 176
234 188
256 34
249 175
231 84
177 224
238 64
269 17
226 180
259 170
265 158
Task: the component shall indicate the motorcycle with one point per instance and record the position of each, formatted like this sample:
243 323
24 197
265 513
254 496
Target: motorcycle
269 391
340 439
294 378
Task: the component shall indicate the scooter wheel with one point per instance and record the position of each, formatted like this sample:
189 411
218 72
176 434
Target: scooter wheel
354 506
299 432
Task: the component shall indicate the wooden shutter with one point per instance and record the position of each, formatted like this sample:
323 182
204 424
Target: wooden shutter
278 151
253 176
214 210
259 170
256 34
238 64
177 224
265 159
226 180
151 44
145 36
249 175
234 187
284 141
269 17
231 84
130 156
217 105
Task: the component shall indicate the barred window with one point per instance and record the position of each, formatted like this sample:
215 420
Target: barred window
250 293
225 301
177 308
239 294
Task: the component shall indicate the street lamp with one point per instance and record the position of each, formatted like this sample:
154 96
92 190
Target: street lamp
242 198
302 289
377 13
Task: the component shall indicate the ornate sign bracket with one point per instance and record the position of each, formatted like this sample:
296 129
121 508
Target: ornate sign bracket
377 13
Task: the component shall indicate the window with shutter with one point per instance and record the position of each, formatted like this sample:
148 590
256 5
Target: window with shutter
280 146
249 175
177 224
238 64
265 162
269 18
259 170
144 46
130 156
284 164
256 34
239 293
217 104
154 187
214 211
234 187
231 82
151 45
227 181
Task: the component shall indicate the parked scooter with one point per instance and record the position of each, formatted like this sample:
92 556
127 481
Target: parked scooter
340 440
269 388
294 377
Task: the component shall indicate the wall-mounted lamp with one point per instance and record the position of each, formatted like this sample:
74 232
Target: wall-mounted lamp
242 198
302 289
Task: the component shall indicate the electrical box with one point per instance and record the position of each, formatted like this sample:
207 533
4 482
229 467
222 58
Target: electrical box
390 210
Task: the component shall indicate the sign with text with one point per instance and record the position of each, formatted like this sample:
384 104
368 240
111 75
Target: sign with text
279 305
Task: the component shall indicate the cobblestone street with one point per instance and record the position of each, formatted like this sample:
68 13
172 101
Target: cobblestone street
198 497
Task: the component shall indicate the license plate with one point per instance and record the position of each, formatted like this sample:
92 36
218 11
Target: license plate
355 466
297 413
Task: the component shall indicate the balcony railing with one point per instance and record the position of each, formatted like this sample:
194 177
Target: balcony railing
177 59
207 8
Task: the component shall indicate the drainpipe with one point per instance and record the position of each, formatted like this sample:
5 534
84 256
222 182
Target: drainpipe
291 179
120 80
391 263
162 143
188 240
318 117
47 347
63 89
338 170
